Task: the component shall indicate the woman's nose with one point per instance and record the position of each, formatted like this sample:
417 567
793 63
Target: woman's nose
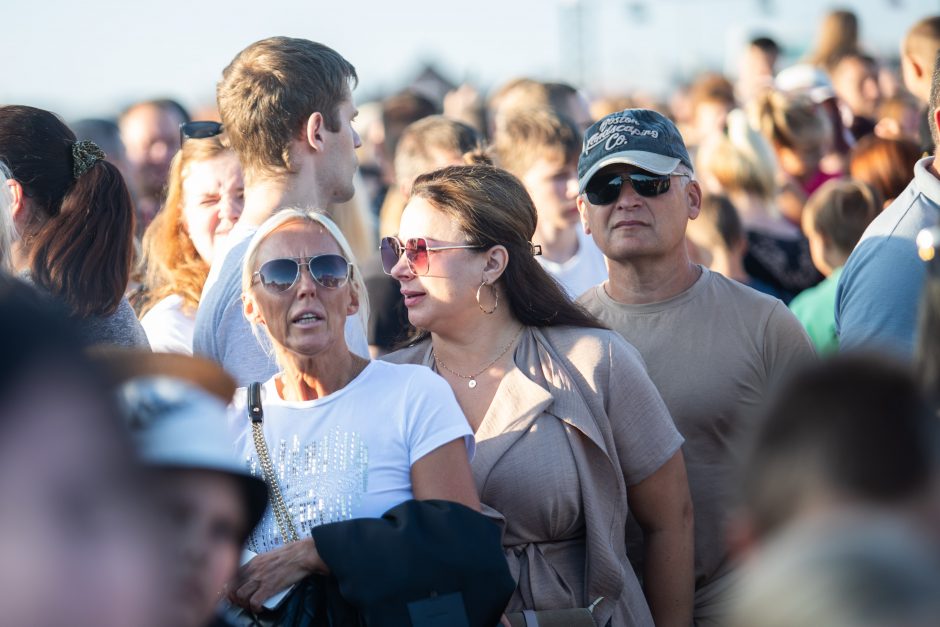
402 269
230 208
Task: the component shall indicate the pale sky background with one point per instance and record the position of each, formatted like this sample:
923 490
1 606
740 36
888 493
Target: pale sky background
92 57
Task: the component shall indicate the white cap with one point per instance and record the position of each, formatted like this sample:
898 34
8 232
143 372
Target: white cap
178 425
807 80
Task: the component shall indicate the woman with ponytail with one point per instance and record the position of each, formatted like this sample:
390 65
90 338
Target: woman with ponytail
74 222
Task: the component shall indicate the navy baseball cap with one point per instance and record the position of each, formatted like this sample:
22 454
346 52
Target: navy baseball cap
640 137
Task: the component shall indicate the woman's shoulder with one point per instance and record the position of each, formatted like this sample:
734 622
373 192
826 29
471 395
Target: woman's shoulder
587 347
412 354
585 339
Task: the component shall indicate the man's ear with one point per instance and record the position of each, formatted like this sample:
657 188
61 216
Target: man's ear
694 193
582 211
916 65
313 131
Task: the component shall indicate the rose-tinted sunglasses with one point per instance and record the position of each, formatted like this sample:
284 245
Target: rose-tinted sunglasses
416 251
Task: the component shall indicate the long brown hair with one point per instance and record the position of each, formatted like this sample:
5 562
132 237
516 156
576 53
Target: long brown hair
79 237
493 208
170 260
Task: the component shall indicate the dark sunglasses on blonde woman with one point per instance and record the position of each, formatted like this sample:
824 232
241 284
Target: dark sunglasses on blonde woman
279 275
416 251
604 189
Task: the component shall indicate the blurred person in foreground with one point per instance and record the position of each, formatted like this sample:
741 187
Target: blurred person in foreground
75 223
852 434
840 502
76 533
428 144
175 407
919 50
741 164
835 217
205 197
880 287
571 434
713 347
854 571
541 149
150 133
297 148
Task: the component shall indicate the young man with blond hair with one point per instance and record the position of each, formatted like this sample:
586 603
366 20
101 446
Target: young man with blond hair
287 108
541 149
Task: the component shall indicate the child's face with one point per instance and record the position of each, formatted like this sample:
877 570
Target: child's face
553 185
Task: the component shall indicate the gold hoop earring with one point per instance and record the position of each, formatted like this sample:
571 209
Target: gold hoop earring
495 297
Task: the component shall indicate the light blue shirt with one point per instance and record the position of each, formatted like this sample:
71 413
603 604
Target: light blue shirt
878 296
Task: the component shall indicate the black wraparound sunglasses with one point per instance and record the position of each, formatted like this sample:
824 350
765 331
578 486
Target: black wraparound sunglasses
199 130
604 189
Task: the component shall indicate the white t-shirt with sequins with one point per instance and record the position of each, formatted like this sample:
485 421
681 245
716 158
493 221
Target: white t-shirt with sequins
349 454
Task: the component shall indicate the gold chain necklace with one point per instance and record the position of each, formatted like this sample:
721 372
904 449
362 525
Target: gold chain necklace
472 383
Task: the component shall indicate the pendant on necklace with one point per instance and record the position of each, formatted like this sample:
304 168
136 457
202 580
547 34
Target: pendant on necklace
473 383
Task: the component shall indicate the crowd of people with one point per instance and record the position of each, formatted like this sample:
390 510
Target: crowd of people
540 358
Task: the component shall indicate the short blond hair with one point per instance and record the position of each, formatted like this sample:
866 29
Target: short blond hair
270 89
528 135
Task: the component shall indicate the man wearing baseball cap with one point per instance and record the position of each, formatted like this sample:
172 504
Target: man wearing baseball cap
713 347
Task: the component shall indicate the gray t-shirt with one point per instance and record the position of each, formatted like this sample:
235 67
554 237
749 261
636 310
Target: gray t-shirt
122 328
714 352
224 335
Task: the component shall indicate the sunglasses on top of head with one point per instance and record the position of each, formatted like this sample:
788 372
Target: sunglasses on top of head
199 130
416 252
279 275
604 189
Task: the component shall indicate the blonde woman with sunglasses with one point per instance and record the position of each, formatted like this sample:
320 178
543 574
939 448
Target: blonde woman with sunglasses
351 438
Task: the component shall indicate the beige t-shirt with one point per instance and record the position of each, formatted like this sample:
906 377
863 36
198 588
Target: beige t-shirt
714 351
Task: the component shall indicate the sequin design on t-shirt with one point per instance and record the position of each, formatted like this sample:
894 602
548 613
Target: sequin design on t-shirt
322 482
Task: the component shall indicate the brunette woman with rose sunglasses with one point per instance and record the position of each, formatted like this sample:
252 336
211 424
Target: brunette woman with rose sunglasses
567 421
